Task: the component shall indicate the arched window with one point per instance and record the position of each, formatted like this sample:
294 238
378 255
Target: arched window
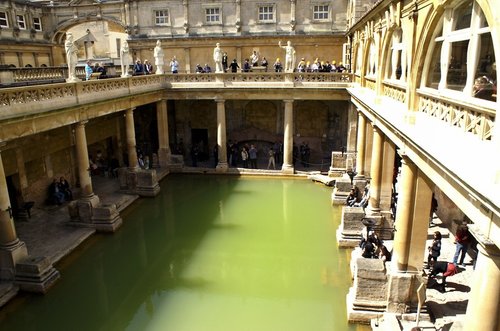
396 69
463 58
371 69
359 57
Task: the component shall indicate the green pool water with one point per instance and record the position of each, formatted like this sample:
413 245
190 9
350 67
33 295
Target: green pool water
209 253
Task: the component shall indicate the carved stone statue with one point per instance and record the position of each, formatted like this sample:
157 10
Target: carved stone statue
159 54
289 56
71 58
218 58
125 59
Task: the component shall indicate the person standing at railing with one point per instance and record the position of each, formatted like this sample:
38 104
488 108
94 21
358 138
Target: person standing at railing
234 66
174 65
148 68
88 70
278 67
71 57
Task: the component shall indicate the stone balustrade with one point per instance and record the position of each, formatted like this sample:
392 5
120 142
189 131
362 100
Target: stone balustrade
468 117
393 91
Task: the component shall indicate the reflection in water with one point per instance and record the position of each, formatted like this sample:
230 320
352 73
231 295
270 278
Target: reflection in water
209 253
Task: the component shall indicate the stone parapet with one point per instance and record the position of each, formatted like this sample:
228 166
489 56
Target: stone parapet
36 274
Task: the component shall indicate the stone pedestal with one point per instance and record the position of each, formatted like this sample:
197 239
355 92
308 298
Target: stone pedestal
341 191
9 256
402 292
367 298
176 162
85 208
147 183
106 218
36 274
349 231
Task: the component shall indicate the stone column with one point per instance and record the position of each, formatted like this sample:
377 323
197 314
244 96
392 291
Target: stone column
88 201
409 241
403 215
376 171
222 165
82 156
163 142
288 138
484 302
360 147
12 249
130 134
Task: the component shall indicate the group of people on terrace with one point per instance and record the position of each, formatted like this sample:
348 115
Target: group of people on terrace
59 191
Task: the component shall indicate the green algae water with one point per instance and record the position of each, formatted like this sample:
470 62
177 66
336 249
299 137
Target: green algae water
209 253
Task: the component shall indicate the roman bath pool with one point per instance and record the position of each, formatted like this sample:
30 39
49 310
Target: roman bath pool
217 253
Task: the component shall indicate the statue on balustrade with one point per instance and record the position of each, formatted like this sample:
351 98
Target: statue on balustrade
125 59
218 58
289 56
71 58
159 54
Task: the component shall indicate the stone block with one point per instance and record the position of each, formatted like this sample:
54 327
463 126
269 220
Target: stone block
349 232
35 274
106 218
341 191
147 183
402 291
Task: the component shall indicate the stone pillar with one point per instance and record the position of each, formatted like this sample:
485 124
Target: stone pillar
376 172
360 147
403 215
82 156
484 303
163 142
130 134
409 242
88 201
222 165
12 250
288 138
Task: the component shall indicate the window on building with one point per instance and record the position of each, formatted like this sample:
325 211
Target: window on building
4 21
397 68
320 12
37 23
266 13
212 15
463 58
371 68
21 23
162 17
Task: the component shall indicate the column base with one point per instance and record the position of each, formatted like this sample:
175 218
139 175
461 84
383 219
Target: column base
81 210
164 157
106 218
221 167
9 256
147 183
342 189
36 274
367 298
287 169
402 291
350 228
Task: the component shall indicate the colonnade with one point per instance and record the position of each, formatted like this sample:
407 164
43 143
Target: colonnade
411 227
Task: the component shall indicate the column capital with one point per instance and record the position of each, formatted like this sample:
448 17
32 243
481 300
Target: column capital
219 100
288 101
81 123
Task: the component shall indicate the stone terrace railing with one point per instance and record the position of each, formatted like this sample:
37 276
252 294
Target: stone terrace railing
394 91
469 118
20 101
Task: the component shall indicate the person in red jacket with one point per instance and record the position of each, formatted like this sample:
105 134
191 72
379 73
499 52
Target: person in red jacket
445 268
462 239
